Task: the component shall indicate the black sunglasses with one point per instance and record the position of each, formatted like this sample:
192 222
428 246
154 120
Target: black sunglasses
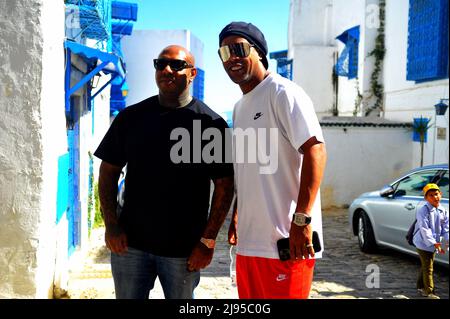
175 65
241 50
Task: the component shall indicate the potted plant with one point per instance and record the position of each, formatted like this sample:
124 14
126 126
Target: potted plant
420 129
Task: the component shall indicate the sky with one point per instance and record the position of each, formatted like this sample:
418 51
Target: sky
205 19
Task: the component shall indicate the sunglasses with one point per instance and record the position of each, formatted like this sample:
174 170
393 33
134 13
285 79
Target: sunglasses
175 65
241 50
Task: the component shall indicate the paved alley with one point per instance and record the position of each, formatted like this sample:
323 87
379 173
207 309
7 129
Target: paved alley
343 273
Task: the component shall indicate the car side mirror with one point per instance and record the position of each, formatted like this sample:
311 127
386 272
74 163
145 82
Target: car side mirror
386 191
400 192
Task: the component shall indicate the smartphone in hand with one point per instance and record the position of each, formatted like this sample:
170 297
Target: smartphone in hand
284 251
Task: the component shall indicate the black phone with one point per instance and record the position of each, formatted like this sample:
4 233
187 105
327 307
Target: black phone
283 246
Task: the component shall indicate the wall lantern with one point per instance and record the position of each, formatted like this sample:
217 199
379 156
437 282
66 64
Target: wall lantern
441 107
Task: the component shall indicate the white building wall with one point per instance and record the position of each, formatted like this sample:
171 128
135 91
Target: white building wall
32 136
354 167
313 27
142 47
406 100
310 47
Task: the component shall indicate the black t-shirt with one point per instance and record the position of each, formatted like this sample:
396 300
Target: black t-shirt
166 204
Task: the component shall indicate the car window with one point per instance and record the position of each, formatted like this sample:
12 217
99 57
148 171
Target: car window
443 185
413 184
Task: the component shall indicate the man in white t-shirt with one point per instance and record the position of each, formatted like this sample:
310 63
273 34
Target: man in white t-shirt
279 159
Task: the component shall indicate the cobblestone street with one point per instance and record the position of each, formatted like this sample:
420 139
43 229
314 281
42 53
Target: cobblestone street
341 273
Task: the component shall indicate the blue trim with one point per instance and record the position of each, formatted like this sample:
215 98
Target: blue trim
124 10
104 86
199 85
98 60
62 189
120 28
67 80
91 56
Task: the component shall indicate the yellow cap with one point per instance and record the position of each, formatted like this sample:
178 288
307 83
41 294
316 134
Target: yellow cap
430 186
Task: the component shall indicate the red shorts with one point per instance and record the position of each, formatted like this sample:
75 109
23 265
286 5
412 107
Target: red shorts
266 278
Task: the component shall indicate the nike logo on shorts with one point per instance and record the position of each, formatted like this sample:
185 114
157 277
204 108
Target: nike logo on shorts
281 277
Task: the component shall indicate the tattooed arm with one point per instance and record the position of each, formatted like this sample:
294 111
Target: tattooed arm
115 238
201 256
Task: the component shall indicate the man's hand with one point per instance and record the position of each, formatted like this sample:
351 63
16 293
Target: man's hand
232 233
300 242
115 239
200 257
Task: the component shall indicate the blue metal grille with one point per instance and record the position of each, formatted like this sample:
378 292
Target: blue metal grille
95 18
347 63
427 40
199 84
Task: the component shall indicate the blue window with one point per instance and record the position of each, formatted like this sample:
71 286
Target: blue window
427 40
347 63
199 84
284 65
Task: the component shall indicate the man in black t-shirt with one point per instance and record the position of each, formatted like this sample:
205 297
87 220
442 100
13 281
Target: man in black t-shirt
174 146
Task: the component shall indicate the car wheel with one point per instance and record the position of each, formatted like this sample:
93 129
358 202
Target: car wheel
366 238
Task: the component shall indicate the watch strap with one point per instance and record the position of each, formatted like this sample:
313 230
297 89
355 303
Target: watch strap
301 219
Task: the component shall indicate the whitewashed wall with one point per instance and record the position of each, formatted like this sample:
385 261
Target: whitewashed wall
404 99
362 159
32 137
142 47
313 26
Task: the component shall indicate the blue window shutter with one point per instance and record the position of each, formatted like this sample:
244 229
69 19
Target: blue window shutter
284 65
427 40
347 63
199 85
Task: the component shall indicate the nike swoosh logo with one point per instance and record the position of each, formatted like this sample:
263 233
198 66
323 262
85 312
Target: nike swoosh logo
281 277
257 116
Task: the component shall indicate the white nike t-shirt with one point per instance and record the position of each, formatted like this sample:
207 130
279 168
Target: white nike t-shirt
271 122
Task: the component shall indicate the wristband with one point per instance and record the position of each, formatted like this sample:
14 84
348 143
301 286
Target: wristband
210 243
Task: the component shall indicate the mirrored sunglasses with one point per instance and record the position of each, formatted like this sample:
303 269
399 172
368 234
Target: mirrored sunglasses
175 65
241 50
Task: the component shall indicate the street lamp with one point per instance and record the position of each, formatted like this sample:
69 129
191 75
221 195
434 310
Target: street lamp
441 108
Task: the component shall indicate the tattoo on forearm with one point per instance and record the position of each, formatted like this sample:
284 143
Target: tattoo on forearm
108 197
220 205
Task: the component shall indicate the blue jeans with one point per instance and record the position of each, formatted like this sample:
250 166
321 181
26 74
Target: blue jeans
135 272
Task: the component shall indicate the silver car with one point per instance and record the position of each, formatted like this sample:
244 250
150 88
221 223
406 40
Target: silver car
383 217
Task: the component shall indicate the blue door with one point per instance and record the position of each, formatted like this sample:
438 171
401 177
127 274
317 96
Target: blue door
73 209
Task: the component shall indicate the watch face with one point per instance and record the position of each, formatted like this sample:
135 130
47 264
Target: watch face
302 219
